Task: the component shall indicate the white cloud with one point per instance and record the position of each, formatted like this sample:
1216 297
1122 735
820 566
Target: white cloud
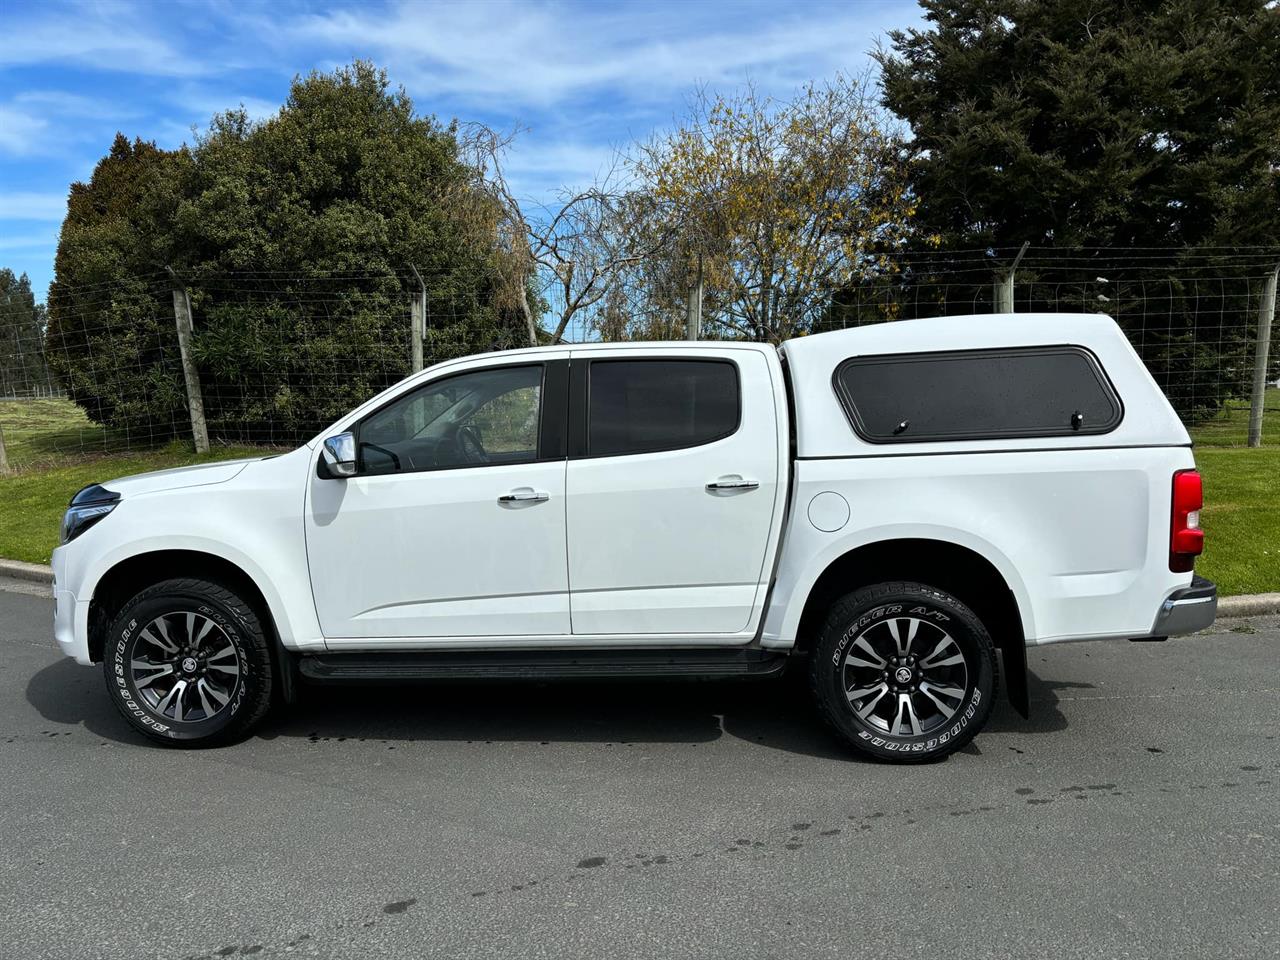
540 55
29 241
113 36
30 205
20 132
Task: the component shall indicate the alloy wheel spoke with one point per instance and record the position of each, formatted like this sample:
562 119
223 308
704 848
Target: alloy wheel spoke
928 663
158 670
903 644
877 661
880 690
173 699
905 707
164 644
204 632
207 692
946 709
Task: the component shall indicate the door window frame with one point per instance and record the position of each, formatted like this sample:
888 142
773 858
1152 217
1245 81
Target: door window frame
579 395
553 394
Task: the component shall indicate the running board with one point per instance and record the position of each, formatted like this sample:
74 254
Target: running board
541 665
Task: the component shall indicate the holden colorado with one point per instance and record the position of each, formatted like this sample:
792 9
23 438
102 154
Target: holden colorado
899 509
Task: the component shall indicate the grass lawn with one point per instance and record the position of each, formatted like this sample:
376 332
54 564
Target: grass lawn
1241 516
55 451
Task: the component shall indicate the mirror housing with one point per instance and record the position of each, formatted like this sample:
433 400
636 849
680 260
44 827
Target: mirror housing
339 453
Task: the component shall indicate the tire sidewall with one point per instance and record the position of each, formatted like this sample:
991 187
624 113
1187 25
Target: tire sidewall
124 639
932 606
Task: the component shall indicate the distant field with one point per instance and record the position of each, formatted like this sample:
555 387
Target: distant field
56 451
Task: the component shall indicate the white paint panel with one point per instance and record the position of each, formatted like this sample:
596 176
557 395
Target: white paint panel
435 554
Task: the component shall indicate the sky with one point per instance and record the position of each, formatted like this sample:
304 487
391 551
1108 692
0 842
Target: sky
581 78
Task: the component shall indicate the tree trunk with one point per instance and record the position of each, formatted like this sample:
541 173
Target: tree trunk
531 326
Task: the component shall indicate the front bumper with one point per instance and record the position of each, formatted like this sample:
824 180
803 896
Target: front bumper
70 614
1187 610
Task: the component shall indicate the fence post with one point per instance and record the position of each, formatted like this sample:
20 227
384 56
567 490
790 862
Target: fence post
1266 311
195 402
4 457
1002 289
417 323
693 310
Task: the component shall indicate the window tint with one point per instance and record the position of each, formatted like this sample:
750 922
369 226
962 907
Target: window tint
977 394
639 406
471 420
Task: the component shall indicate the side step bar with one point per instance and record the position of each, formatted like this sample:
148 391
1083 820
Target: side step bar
541 665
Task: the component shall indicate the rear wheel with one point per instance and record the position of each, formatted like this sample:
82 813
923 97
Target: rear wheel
187 663
904 672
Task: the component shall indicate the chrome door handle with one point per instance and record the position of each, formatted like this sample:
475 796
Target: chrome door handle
733 484
524 495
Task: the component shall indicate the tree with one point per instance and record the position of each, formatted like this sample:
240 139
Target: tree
300 239
110 337
22 320
1098 124
567 255
777 204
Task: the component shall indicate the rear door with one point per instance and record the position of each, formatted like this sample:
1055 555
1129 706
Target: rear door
673 490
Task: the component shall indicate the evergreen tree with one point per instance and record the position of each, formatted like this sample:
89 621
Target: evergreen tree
1102 124
22 367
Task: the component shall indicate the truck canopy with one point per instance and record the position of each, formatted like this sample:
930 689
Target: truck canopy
987 382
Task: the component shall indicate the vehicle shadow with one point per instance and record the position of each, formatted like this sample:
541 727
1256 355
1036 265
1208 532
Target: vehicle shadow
776 713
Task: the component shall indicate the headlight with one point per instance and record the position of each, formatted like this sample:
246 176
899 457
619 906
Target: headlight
87 507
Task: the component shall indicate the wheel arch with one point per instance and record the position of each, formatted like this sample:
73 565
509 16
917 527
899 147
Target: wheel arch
128 576
958 569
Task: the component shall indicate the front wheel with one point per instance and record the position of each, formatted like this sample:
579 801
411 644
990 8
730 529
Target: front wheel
904 672
188 664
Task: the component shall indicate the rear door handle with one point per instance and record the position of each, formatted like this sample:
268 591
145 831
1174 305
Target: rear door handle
524 495
733 483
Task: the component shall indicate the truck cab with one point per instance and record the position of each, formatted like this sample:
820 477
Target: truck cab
899 509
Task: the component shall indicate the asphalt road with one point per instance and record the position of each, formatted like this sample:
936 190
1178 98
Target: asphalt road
1137 814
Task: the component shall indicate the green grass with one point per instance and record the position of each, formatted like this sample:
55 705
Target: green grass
55 451
1241 515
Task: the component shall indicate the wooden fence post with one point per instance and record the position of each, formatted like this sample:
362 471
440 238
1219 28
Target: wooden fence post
195 402
4 457
1266 312
417 323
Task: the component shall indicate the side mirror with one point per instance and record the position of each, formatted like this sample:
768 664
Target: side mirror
340 455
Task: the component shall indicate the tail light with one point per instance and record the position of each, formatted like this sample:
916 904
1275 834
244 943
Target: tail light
1186 539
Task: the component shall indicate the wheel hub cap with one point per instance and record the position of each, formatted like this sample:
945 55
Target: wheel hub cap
189 664
903 675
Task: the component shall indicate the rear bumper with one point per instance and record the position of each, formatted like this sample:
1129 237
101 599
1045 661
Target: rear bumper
1187 610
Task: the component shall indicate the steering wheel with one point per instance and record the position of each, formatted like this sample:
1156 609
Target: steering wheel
470 449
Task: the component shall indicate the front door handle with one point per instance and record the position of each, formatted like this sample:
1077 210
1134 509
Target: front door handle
524 495
733 483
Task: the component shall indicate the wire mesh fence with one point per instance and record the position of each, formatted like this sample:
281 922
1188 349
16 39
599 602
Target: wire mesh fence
278 357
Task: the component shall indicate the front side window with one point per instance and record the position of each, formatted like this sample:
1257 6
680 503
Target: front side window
642 406
482 418
977 394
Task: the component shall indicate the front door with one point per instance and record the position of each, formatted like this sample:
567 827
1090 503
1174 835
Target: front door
454 525
672 491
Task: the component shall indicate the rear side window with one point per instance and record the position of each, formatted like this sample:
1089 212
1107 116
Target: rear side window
641 406
977 394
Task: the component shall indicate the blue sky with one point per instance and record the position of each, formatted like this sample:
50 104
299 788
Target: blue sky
583 78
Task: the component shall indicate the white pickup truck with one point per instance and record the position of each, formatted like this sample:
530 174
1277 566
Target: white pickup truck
892 503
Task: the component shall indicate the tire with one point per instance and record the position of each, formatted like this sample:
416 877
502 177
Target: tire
224 671
904 672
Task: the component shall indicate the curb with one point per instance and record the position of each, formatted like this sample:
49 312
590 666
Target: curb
1247 605
32 572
